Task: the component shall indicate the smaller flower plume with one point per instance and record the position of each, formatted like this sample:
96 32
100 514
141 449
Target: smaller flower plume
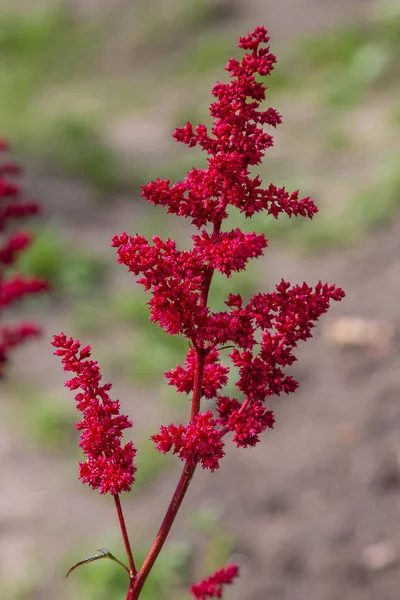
109 466
213 586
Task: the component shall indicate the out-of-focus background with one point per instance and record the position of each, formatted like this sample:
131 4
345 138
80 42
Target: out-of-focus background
90 91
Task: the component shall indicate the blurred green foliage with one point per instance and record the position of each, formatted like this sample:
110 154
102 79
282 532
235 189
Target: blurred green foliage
198 12
176 168
337 140
370 208
353 59
220 548
89 317
208 52
193 114
205 519
150 463
37 46
79 150
246 283
49 422
219 541
335 48
40 49
42 35
175 23
395 115
152 351
67 268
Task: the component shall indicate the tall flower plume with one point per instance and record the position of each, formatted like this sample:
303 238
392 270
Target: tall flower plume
265 331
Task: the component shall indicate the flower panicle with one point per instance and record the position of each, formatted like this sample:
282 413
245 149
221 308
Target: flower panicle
109 466
264 332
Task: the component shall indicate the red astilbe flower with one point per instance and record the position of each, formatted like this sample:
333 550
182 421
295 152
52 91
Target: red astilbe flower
213 586
109 466
264 332
12 285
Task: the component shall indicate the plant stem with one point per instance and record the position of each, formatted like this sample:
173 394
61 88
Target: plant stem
129 595
163 532
125 537
198 383
180 491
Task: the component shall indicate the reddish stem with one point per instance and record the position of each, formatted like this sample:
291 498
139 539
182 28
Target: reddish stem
125 537
131 590
198 382
179 494
163 532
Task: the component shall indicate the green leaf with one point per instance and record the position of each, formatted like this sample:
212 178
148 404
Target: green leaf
101 553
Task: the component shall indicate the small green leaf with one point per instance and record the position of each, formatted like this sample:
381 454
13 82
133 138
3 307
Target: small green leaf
101 553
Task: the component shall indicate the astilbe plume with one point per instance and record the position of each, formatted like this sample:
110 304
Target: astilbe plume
262 332
109 465
14 286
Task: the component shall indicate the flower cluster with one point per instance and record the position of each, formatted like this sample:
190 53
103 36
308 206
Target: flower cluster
199 440
213 586
265 331
215 375
109 466
12 285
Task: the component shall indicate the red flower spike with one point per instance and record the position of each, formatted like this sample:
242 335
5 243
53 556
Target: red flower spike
177 280
12 285
213 586
109 466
